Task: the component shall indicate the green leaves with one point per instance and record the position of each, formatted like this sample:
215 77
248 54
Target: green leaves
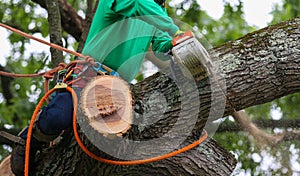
230 26
290 9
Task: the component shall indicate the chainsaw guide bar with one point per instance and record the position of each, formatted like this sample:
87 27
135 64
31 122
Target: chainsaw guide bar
193 58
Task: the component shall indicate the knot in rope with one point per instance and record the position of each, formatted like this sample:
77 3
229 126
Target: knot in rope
50 74
90 60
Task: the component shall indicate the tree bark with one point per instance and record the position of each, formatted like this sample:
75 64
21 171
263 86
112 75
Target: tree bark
70 20
55 30
261 66
257 68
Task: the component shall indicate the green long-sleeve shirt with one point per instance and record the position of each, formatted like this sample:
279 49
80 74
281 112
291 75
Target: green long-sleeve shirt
122 31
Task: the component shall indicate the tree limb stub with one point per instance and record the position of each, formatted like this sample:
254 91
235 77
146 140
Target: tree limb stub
106 102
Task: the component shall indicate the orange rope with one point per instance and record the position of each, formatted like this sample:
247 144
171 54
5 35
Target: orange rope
34 115
92 155
2 73
42 41
132 162
49 74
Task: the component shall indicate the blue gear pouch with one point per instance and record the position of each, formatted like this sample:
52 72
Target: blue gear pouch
52 96
57 115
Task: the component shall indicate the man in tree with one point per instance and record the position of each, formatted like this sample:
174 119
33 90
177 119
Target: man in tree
119 37
123 30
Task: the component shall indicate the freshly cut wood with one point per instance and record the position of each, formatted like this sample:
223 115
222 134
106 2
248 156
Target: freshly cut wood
107 104
5 168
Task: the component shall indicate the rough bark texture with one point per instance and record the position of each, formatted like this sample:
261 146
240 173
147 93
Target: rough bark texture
91 8
257 68
263 65
55 30
202 160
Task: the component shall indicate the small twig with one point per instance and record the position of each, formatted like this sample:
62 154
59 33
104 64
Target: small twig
265 138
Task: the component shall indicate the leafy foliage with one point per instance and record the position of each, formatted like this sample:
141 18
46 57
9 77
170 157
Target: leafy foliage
230 26
289 10
21 15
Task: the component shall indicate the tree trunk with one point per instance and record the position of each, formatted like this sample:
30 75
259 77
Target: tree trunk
255 69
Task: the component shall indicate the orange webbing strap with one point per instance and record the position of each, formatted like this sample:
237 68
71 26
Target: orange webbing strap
87 151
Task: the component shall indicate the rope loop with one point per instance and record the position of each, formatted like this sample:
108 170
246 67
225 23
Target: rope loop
51 73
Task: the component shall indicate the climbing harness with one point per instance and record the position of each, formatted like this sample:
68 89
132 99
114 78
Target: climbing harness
67 75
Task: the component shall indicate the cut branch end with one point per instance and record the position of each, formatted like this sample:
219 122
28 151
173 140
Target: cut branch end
107 104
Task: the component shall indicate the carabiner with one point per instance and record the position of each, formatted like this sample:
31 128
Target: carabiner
60 75
104 70
99 69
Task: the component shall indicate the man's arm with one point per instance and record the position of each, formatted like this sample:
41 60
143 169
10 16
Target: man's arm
161 44
148 11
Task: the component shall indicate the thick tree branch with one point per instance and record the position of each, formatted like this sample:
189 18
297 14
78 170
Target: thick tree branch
257 68
261 66
261 123
91 9
70 20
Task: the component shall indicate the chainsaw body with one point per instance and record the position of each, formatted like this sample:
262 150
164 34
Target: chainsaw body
192 57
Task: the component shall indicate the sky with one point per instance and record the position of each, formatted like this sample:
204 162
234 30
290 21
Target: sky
257 13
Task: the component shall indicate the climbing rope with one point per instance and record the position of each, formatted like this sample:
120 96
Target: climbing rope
43 41
30 128
85 149
7 74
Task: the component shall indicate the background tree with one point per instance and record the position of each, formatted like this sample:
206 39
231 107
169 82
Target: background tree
31 17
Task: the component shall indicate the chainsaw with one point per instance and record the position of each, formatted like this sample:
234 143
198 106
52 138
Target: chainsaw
191 56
